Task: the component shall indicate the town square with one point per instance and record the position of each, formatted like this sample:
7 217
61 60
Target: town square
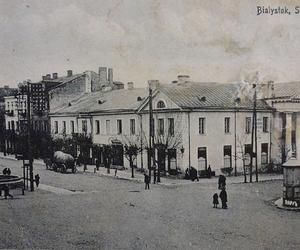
129 124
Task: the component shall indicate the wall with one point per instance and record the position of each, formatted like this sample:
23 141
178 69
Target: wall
66 92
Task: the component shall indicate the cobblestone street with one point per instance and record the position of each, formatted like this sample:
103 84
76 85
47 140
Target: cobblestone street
86 211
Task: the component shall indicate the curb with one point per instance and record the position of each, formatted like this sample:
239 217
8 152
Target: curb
8 158
278 204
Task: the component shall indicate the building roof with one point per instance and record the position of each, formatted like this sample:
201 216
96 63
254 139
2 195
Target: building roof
287 90
209 95
111 101
62 80
7 92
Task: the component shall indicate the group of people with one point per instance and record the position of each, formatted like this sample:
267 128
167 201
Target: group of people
5 187
6 171
222 195
147 178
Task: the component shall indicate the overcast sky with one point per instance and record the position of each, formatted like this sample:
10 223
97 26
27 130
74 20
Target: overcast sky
211 40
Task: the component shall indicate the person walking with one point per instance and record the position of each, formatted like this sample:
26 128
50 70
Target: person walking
223 197
222 182
37 180
215 200
6 192
147 180
97 164
155 169
209 171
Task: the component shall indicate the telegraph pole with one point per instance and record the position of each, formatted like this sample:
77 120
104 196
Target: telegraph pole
255 136
252 136
150 130
29 146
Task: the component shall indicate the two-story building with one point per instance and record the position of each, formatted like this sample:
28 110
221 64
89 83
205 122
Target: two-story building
200 124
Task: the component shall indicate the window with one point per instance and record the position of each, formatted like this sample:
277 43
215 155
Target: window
265 124
72 127
8 108
119 127
171 126
56 127
227 156
64 127
202 158
227 125
132 126
160 105
84 126
12 125
8 124
161 127
201 125
248 125
17 126
107 123
264 153
97 127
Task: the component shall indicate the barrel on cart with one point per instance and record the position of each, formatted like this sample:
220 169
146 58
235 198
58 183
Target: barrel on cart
61 162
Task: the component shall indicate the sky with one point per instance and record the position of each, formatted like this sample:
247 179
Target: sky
215 40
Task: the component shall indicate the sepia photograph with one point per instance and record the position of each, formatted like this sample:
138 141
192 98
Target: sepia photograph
150 124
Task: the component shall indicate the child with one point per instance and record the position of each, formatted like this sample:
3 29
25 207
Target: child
215 200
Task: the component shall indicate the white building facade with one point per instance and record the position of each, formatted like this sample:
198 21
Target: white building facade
202 127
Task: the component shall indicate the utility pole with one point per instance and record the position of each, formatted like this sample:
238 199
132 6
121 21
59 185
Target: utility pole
255 136
150 130
252 137
29 146
235 163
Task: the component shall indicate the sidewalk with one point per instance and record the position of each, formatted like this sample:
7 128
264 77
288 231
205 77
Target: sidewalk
165 181
13 158
173 181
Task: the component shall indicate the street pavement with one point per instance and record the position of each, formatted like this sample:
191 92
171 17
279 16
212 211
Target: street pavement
93 211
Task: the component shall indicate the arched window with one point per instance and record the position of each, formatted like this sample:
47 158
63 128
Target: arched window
161 105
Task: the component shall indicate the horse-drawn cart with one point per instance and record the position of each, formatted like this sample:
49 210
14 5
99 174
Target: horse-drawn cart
61 162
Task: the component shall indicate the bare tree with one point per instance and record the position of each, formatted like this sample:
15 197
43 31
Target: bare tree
284 151
132 147
168 140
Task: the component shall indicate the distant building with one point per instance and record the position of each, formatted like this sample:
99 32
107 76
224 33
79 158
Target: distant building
51 92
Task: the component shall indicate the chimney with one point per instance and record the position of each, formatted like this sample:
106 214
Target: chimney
153 84
6 87
110 76
69 72
48 76
130 85
183 79
44 78
102 75
54 75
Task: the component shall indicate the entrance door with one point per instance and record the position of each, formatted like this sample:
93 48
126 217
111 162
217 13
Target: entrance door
202 159
161 160
118 155
172 162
